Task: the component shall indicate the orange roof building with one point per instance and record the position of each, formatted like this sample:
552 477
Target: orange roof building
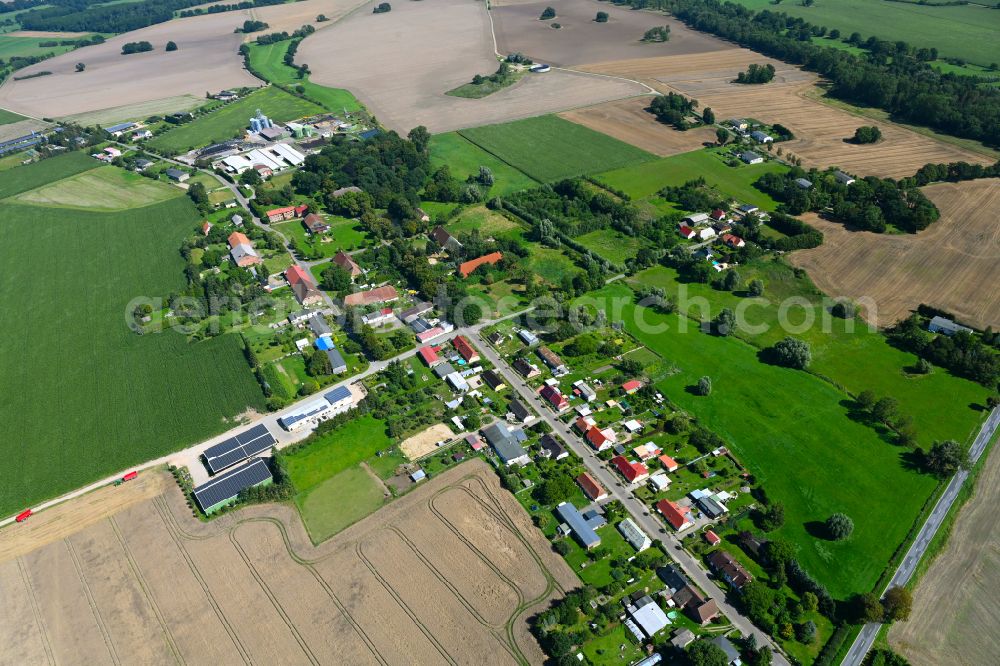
468 267
678 516
302 286
345 261
669 463
378 295
591 488
466 349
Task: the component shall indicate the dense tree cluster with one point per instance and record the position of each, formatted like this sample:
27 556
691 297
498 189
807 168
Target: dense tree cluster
871 203
136 47
97 16
867 134
574 208
382 8
660 33
252 25
965 354
799 235
673 109
548 13
955 172
792 353
756 74
232 7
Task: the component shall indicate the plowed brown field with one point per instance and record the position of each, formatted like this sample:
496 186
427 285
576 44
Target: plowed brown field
956 615
820 129
951 265
628 121
449 573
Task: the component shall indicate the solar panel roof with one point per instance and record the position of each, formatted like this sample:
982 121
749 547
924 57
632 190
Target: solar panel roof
239 447
227 486
337 394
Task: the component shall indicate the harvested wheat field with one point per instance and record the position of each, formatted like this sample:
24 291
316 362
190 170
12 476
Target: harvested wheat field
951 265
206 60
401 64
820 129
425 442
448 574
580 39
956 612
627 120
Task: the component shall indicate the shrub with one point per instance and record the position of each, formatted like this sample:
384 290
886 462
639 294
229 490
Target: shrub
870 134
602 17
171 46
792 353
548 13
839 526
704 386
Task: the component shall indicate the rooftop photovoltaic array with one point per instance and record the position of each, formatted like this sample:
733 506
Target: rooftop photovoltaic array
239 447
227 486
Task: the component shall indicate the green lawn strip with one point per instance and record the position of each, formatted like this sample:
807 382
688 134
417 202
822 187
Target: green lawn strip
335 451
344 234
793 432
939 403
486 88
28 177
268 61
8 117
486 221
87 396
643 180
230 120
960 31
613 245
548 148
464 159
106 188
338 502
24 47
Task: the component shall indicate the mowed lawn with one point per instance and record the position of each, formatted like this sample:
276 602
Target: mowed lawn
613 245
268 61
86 396
464 159
232 119
486 221
793 432
848 353
643 180
548 148
332 489
104 188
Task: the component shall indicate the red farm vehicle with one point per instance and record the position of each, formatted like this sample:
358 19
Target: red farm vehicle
23 516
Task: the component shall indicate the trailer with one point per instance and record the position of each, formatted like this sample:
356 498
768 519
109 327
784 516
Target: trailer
130 476
23 516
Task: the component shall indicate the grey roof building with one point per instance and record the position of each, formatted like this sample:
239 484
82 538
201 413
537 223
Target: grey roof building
582 527
337 361
224 489
946 326
442 370
726 645
521 413
804 183
505 444
319 326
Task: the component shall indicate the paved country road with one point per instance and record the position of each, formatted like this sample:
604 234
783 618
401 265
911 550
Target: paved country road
639 512
864 641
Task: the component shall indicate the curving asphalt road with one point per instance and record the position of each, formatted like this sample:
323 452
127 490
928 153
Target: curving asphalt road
863 643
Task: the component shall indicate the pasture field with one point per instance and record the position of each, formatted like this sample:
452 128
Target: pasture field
627 120
644 180
796 437
487 222
794 100
464 159
613 245
960 31
268 60
232 119
85 394
401 65
13 46
952 620
944 265
104 188
206 60
336 451
548 148
346 234
451 572
847 353
37 174
339 502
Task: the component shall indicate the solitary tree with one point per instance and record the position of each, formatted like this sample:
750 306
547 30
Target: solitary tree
602 17
868 608
80 66
704 386
548 13
839 526
705 653
725 323
708 116
722 135
898 603
756 288
945 458
171 46
792 353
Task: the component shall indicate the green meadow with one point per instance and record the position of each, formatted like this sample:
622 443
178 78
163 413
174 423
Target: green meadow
268 61
464 159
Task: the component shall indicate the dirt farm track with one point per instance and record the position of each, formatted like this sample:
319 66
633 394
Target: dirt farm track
951 265
448 574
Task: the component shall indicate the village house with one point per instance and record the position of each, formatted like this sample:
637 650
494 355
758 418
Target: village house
520 412
504 443
634 472
733 241
429 356
631 386
344 260
679 517
315 224
668 463
285 213
177 175
465 348
302 286
386 294
206 227
242 252
445 239
378 318
751 157
686 231
555 399
526 369
731 571
581 526
467 268
409 315
549 447
494 380
263 170
594 491
600 440
552 360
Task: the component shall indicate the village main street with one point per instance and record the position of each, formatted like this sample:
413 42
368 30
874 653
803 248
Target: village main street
617 490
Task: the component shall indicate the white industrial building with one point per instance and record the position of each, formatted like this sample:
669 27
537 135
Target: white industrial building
276 157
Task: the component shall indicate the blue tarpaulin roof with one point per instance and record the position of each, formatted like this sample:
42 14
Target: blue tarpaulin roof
324 343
